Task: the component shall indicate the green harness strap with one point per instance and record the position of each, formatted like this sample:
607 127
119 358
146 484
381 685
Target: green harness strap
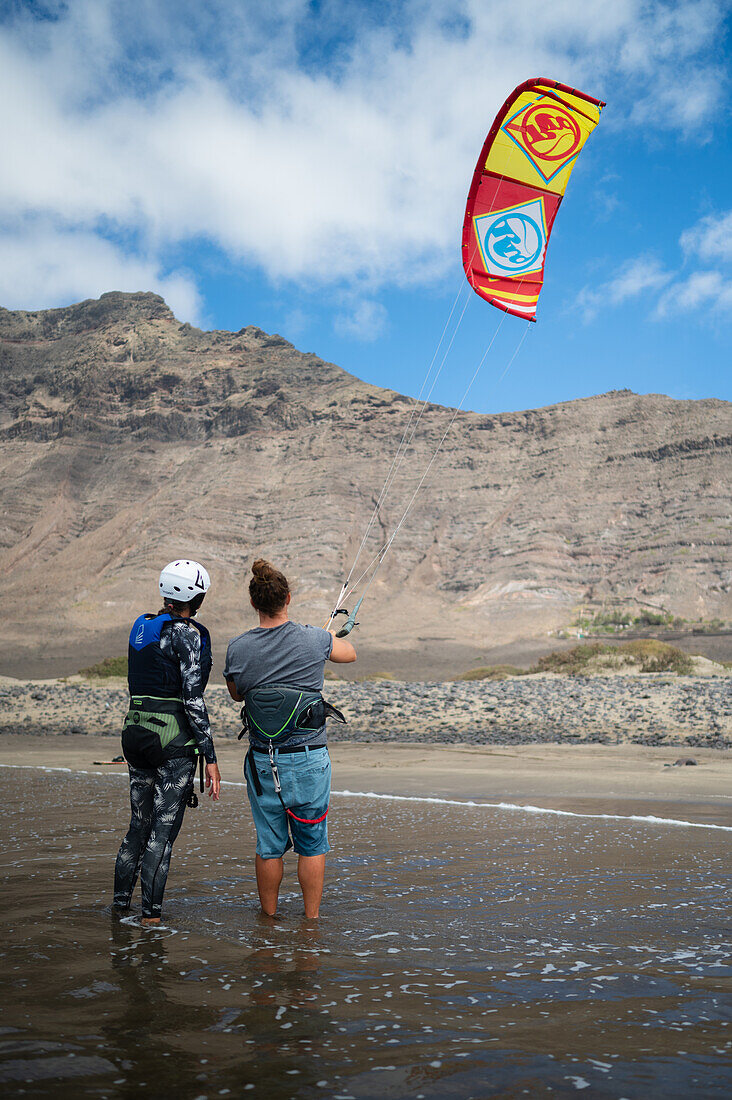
164 717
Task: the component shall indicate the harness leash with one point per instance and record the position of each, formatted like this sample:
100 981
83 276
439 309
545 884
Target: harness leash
278 789
249 759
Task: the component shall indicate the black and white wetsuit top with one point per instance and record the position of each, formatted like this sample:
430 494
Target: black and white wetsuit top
170 658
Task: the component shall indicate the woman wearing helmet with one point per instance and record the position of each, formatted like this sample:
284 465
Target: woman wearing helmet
165 730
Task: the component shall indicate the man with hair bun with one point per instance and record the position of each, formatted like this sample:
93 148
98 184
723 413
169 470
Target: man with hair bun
277 671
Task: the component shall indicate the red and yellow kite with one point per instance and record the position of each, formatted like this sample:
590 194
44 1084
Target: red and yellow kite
518 184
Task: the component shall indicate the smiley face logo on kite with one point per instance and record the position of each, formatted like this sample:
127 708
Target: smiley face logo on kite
512 241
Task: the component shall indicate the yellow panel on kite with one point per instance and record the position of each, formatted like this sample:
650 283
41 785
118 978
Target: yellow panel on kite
520 300
541 137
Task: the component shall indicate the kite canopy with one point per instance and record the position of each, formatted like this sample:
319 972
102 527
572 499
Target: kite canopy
518 184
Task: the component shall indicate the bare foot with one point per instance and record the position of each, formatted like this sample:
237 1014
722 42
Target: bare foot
148 921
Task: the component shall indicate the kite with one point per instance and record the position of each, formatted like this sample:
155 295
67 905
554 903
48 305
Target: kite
518 184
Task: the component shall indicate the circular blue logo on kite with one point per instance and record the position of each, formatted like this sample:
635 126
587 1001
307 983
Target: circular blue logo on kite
514 242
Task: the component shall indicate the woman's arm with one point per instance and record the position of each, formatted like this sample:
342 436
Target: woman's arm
233 692
342 652
186 644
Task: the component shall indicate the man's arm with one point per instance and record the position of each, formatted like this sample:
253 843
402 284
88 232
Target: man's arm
342 652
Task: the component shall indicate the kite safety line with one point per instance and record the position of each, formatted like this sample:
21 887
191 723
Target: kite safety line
410 429
377 561
518 185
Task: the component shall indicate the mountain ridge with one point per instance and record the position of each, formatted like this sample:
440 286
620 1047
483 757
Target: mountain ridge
128 438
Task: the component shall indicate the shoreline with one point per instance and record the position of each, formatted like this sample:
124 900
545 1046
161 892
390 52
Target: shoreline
625 781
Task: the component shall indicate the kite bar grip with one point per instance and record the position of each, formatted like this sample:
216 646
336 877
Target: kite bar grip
350 622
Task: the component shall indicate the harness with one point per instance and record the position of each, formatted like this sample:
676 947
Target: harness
156 725
276 710
165 718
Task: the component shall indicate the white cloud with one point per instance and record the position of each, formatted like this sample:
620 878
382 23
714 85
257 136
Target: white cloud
679 103
701 290
343 163
635 278
41 266
710 241
711 238
366 321
642 275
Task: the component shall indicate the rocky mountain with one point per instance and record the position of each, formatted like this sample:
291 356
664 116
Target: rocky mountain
127 439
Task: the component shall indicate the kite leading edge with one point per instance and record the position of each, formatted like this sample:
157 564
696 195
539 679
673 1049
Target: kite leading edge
518 184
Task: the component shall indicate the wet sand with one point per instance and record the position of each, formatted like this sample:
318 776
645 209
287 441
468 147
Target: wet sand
464 951
614 779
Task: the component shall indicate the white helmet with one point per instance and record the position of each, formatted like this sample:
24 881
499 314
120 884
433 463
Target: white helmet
184 580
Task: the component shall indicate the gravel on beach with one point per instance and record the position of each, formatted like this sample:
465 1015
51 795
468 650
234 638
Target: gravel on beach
647 709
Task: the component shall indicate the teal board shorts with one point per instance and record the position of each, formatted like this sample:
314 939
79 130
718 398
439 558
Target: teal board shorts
305 780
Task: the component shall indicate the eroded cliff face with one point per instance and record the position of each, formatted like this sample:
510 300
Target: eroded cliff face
127 438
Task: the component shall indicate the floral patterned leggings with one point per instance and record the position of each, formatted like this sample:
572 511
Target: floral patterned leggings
158 798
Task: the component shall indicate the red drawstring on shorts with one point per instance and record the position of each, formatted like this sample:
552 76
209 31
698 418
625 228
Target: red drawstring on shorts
308 820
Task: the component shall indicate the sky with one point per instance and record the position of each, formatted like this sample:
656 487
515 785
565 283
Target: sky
304 167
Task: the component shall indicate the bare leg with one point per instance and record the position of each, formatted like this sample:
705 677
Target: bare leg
269 877
311 873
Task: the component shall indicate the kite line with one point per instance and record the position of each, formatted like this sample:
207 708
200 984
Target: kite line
350 587
517 187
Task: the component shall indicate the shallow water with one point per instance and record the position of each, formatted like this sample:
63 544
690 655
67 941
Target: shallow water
462 952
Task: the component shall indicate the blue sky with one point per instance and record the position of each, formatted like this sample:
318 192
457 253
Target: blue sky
304 167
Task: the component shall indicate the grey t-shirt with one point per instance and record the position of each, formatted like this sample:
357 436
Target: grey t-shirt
291 654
